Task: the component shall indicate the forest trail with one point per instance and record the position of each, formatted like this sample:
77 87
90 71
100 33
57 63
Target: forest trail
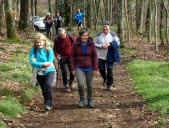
121 108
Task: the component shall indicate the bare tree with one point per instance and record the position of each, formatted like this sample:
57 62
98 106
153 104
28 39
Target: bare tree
121 25
11 34
50 7
1 15
24 15
155 25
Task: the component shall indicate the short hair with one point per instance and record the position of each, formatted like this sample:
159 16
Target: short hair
83 31
61 30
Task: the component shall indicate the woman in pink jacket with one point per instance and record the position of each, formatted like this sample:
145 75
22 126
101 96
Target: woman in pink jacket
83 64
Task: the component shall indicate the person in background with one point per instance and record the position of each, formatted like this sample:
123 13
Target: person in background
41 57
84 63
62 48
57 21
48 21
107 44
79 19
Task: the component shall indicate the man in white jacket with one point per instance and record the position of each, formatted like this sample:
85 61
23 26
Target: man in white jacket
107 42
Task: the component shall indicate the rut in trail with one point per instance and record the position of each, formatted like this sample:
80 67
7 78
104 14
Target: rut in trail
121 108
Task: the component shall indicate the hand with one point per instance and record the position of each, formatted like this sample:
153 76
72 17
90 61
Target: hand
95 72
73 72
47 64
34 59
58 57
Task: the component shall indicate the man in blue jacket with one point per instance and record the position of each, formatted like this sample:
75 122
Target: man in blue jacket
79 19
107 44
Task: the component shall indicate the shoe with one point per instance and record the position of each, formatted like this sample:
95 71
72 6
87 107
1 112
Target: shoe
67 89
104 83
90 104
47 107
110 88
81 103
71 85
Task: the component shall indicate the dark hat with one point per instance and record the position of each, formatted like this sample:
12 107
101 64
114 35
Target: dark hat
105 22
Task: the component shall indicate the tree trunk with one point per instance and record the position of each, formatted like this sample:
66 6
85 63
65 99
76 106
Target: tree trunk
11 34
121 25
36 10
166 30
155 26
1 15
24 14
127 22
32 13
161 23
50 7
88 14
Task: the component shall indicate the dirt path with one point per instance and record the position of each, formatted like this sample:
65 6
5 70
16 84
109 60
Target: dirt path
121 108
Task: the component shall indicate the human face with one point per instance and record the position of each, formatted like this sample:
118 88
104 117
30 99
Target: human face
62 35
40 43
105 29
84 37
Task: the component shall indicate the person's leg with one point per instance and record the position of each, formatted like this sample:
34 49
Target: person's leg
64 71
109 76
71 78
81 82
48 87
41 81
102 70
89 80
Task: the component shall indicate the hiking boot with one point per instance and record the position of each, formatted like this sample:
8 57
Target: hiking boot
67 88
90 104
104 83
81 103
110 88
47 107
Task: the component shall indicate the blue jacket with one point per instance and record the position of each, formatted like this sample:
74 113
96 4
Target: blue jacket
113 54
41 57
78 17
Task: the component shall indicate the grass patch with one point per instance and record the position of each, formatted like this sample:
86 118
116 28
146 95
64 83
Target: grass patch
10 41
151 81
1 125
10 107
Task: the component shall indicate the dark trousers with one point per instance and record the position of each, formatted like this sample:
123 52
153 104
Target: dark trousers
107 76
57 27
64 63
46 86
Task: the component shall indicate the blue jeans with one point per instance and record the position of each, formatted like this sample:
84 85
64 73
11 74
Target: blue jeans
107 77
83 76
63 65
46 86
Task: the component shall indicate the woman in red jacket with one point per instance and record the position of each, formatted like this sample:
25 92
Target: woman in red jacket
83 64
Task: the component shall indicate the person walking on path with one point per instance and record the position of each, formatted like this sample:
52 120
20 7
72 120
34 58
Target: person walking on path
62 48
107 43
57 21
48 21
41 57
84 63
79 19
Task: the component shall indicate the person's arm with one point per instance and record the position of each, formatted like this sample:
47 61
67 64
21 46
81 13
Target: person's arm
95 40
72 59
33 61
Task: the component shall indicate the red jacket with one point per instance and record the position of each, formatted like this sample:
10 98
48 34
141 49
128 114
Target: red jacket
63 47
78 59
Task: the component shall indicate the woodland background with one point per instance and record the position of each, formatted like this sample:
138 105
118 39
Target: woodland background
148 18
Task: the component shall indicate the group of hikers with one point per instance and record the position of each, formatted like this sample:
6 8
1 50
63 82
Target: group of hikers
57 20
83 56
